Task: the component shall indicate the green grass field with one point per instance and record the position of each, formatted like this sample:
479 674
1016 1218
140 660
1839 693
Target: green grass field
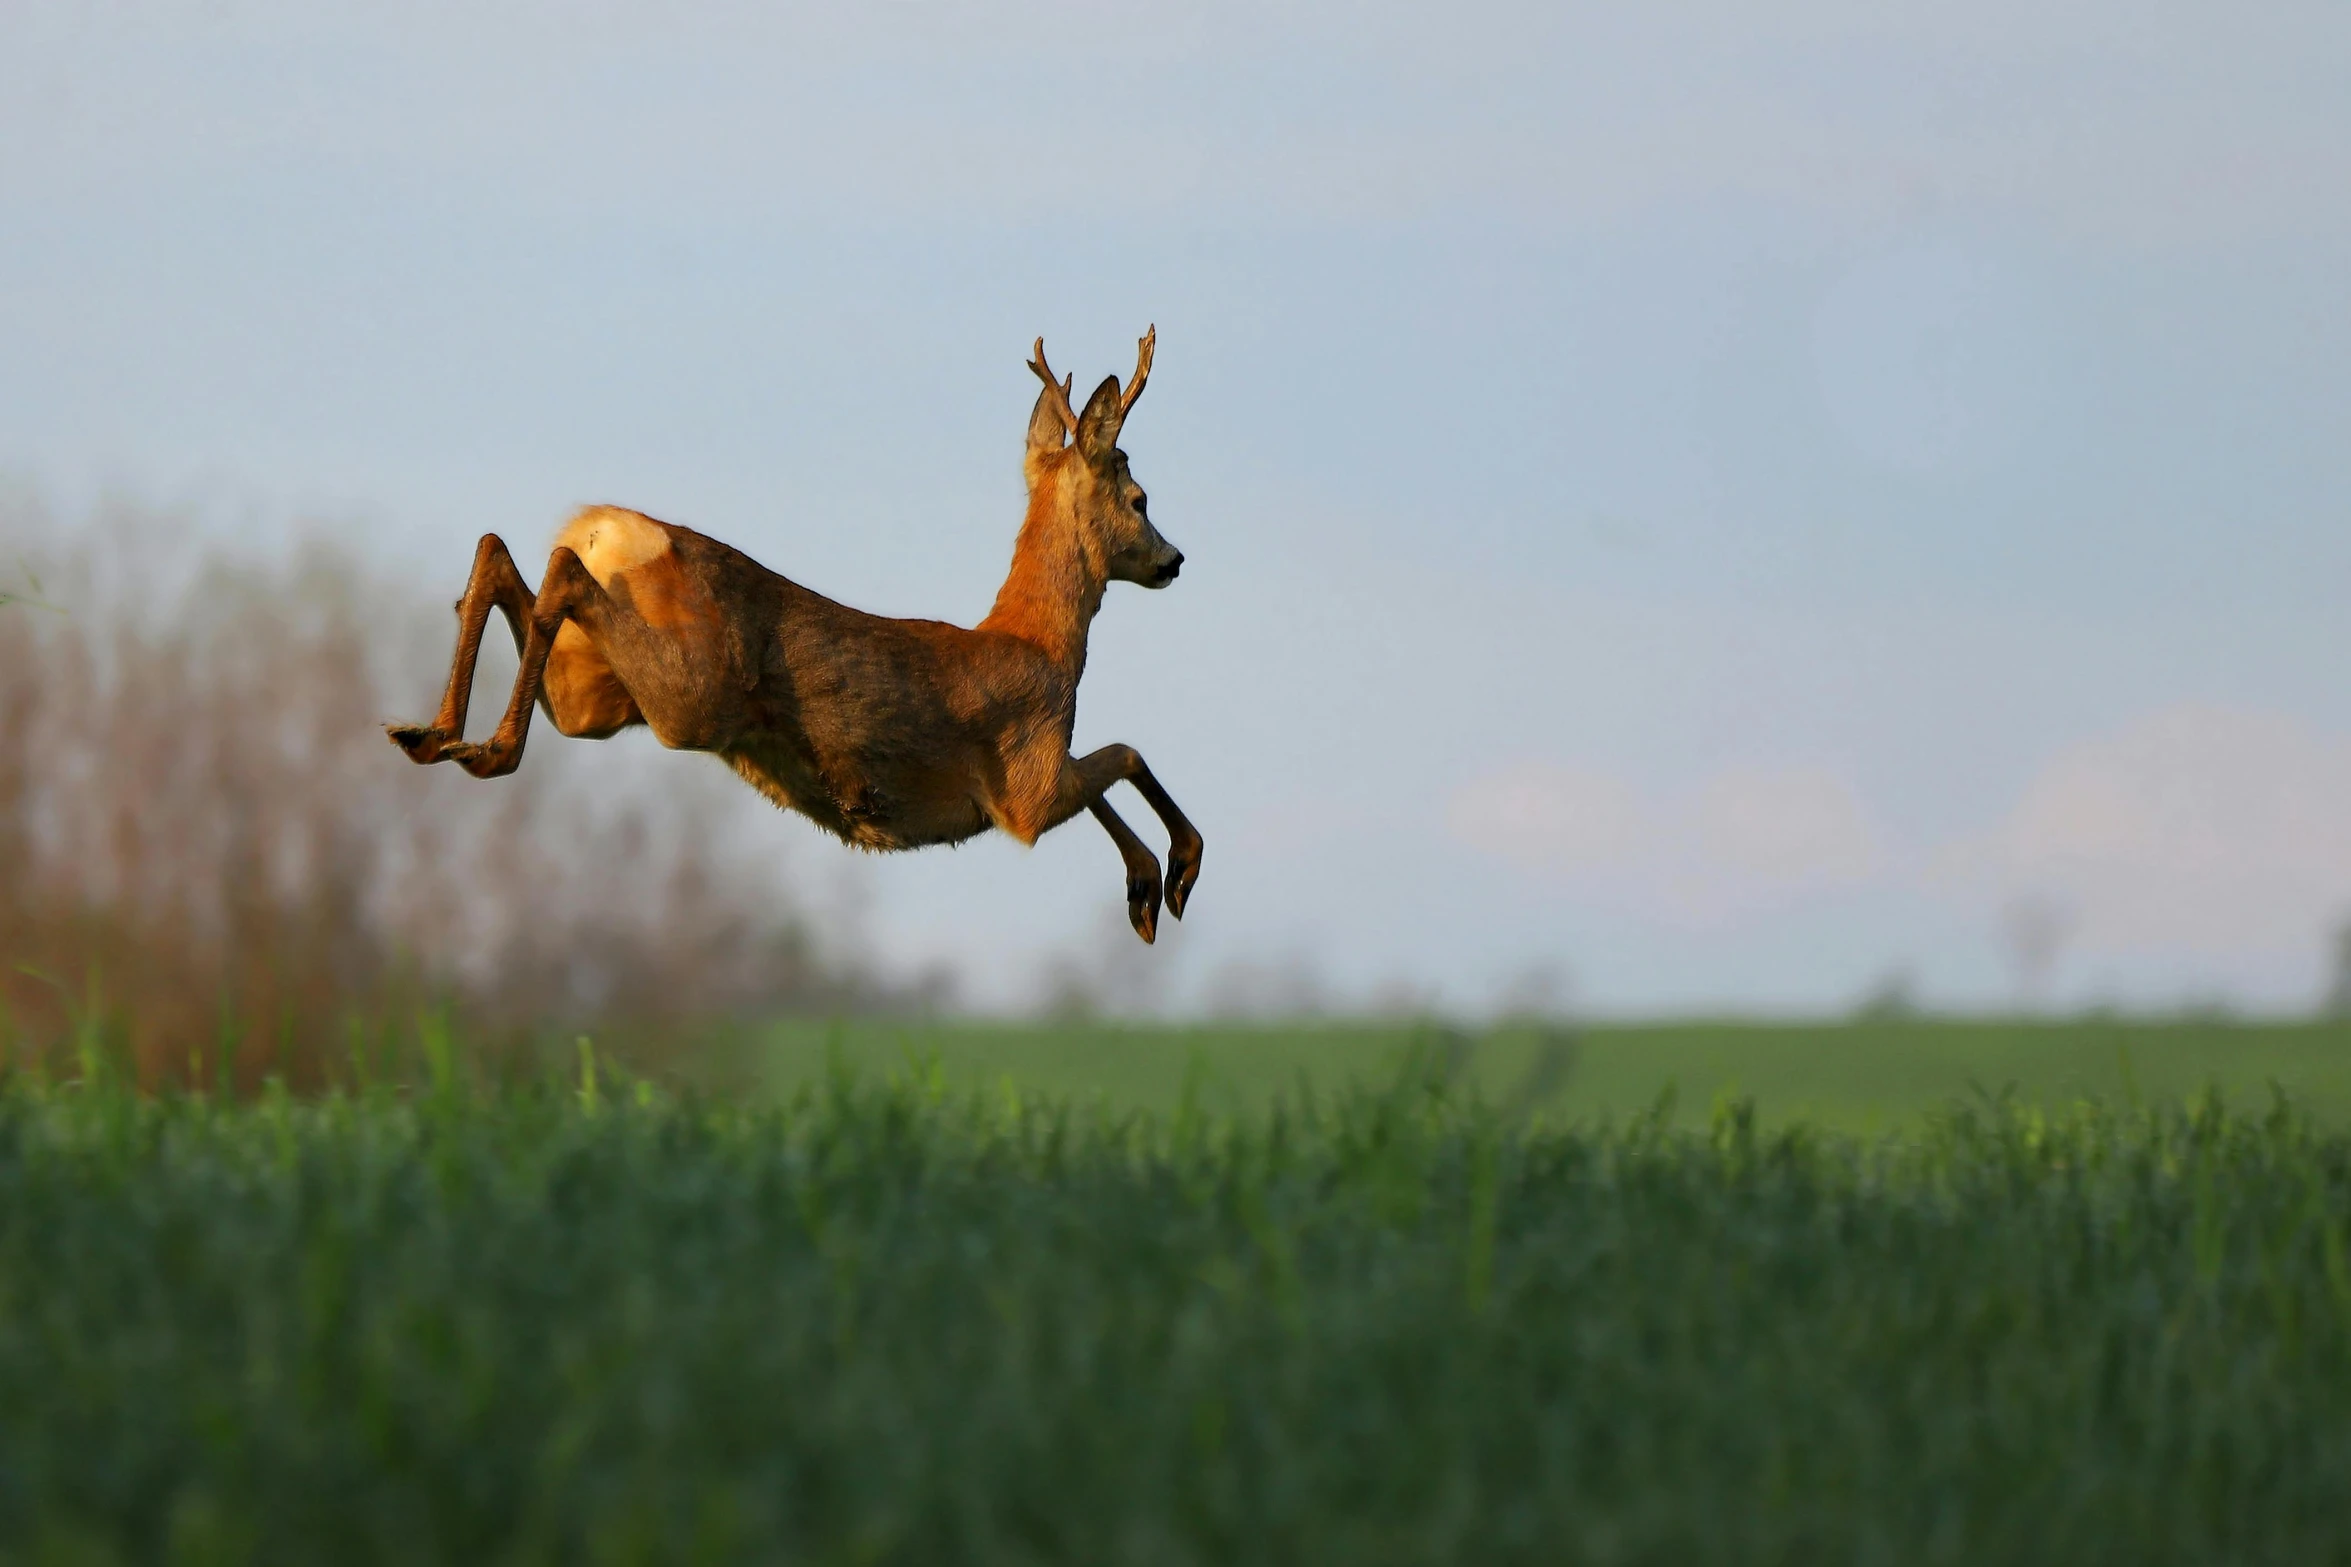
1861 1077
859 1321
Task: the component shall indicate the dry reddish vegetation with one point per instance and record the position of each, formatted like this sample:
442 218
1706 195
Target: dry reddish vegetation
207 848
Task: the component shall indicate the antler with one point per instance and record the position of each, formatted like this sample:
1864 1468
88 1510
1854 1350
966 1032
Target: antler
1143 347
1057 390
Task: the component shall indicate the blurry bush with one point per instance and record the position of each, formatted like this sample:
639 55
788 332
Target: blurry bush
208 849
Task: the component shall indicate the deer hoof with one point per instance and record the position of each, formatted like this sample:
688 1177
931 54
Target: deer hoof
1183 869
480 760
422 742
1143 907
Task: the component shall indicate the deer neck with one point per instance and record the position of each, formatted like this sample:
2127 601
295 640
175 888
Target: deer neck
1052 592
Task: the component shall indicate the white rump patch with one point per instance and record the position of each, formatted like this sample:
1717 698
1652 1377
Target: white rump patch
609 541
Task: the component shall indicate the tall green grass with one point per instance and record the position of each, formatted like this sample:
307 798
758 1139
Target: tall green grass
885 1321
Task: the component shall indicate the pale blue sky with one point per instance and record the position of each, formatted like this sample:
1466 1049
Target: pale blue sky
1725 498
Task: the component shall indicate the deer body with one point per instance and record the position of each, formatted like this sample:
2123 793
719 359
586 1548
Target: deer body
888 733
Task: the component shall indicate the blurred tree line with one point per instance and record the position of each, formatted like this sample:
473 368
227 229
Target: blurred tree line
209 851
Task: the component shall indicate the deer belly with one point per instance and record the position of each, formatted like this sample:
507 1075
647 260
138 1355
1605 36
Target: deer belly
922 822
907 804
869 814
789 781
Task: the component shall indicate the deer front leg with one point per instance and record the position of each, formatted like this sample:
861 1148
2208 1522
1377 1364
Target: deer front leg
566 590
1142 871
494 584
1084 780
1100 769
1183 839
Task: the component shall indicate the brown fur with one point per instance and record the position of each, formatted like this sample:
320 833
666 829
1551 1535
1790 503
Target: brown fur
892 734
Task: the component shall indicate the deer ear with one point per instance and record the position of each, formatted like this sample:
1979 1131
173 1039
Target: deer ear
1047 431
1098 425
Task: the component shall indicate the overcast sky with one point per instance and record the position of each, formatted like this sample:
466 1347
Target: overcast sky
1725 499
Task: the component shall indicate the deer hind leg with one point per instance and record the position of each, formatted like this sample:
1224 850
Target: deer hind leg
494 584
566 590
1085 779
581 692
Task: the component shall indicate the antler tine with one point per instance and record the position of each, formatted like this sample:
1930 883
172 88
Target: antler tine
1058 390
1143 347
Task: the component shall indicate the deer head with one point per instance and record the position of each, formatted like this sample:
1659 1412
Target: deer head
1078 454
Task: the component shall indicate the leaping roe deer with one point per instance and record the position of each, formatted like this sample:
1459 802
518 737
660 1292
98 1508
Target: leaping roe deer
891 734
